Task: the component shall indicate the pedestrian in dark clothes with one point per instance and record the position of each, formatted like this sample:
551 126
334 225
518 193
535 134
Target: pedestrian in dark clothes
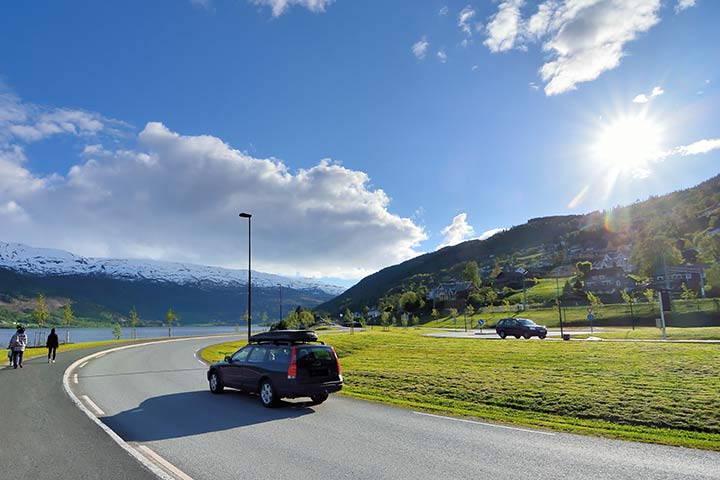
52 345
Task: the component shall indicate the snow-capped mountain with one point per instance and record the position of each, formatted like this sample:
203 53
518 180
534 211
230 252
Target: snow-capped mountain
44 261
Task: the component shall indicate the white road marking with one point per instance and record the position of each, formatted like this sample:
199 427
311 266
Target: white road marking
75 380
485 424
201 362
83 365
134 452
176 472
101 355
92 405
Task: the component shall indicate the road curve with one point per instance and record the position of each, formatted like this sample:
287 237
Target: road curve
155 397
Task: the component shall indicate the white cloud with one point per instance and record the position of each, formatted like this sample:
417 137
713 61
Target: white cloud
201 3
457 231
442 56
642 98
504 26
27 122
534 86
584 38
464 18
444 11
419 48
177 198
281 6
684 4
699 147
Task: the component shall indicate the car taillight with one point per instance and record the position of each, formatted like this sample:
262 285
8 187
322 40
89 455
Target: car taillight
292 369
337 360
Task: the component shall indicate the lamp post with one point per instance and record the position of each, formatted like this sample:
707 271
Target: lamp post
280 287
249 217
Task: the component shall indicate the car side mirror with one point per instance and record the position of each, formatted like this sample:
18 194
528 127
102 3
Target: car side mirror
228 358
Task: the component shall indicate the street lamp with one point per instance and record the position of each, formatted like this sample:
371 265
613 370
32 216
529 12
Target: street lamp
249 217
280 287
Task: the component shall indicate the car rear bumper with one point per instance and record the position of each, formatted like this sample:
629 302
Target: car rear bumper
309 390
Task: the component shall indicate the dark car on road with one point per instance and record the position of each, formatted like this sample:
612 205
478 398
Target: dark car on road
280 364
520 327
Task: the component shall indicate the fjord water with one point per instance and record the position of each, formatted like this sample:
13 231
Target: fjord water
78 335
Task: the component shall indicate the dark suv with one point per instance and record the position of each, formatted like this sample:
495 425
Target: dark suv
520 326
280 364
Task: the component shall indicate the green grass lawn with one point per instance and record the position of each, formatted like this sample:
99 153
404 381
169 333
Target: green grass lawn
652 333
544 291
686 312
660 393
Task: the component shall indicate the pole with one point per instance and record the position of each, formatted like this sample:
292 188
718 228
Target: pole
280 287
524 295
249 278
249 283
662 317
557 288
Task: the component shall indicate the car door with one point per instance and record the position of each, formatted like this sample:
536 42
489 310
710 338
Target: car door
232 373
513 328
254 368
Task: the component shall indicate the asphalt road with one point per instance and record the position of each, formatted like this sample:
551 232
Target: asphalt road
155 397
43 435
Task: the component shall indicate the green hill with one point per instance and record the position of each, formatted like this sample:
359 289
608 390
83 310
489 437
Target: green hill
679 223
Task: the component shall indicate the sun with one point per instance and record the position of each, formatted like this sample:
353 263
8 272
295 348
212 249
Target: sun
629 143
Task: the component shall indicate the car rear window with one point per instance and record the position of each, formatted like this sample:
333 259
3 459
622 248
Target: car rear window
313 353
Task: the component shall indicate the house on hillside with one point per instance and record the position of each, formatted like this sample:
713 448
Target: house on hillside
607 281
691 275
452 294
613 259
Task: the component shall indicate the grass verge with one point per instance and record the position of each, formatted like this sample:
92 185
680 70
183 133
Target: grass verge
649 392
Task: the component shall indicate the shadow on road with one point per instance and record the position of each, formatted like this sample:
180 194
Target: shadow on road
193 413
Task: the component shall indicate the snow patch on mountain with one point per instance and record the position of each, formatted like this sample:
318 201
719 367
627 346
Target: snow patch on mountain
46 261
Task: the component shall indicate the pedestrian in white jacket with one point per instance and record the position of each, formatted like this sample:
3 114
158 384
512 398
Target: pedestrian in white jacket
18 343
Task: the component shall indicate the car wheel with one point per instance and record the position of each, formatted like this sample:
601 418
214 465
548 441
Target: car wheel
216 385
517 336
267 394
319 398
541 336
502 334
527 335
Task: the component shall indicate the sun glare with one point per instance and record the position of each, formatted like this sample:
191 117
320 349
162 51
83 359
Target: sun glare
629 144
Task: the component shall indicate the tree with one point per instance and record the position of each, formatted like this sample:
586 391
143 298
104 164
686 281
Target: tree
68 315
134 319
469 311
410 301
629 300
385 320
434 314
654 252
472 273
688 294
709 247
350 320
506 304
264 318
415 321
453 315
596 302
170 317
117 331
41 314
491 296
583 267
404 320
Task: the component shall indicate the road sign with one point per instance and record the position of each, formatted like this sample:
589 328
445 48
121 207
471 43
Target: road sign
589 310
481 322
591 317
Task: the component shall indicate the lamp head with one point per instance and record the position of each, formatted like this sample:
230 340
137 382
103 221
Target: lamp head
246 215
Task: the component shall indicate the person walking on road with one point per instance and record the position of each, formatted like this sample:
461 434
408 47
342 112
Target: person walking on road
18 342
52 345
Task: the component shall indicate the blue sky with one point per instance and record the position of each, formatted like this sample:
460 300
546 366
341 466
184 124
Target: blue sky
359 133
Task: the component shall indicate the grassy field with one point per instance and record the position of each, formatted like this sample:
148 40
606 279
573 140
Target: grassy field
650 392
544 291
704 311
651 333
